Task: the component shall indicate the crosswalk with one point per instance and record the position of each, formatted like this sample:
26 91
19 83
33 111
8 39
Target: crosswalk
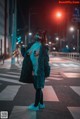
9 92
65 65
13 77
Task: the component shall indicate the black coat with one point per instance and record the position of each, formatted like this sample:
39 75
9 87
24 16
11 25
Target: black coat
26 72
43 69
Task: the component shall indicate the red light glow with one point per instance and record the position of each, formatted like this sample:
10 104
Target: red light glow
58 14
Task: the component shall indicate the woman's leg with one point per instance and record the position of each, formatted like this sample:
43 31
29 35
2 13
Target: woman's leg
37 96
41 97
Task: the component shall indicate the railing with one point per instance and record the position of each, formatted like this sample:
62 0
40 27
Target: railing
74 56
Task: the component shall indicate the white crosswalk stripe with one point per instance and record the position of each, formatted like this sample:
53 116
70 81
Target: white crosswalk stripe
11 76
55 64
14 73
49 94
55 75
71 75
76 89
73 65
11 80
65 65
54 78
8 75
9 93
75 111
21 112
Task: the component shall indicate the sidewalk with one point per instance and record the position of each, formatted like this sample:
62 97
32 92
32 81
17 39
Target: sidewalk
7 64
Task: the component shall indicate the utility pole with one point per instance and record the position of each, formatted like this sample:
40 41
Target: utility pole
14 20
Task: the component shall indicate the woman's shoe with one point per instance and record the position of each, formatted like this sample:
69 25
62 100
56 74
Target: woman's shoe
41 106
32 107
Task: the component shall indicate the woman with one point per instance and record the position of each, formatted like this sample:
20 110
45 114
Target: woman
40 61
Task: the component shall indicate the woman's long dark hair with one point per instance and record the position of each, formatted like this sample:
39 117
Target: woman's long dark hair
44 37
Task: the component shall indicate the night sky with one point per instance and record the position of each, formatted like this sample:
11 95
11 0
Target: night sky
40 15
40 11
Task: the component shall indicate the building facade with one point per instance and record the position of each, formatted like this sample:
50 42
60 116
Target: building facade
4 26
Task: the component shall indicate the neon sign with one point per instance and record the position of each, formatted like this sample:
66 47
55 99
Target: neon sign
69 1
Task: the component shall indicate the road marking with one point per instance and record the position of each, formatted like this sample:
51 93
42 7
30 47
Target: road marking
21 112
6 66
46 80
72 75
54 78
55 64
73 65
14 73
75 111
9 93
10 80
49 94
76 89
55 75
65 65
9 75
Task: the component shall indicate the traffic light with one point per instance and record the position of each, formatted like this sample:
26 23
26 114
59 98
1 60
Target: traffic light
58 14
19 39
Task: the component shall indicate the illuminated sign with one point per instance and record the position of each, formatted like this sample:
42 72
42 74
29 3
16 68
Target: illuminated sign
69 1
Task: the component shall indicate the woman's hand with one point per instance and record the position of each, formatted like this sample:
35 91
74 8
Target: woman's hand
36 53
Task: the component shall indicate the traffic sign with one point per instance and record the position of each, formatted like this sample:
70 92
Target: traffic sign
76 12
76 15
76 19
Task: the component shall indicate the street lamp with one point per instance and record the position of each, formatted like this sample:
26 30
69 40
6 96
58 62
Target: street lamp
50 43
54 48
57 38
67 46
74 48
30 34
72 29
